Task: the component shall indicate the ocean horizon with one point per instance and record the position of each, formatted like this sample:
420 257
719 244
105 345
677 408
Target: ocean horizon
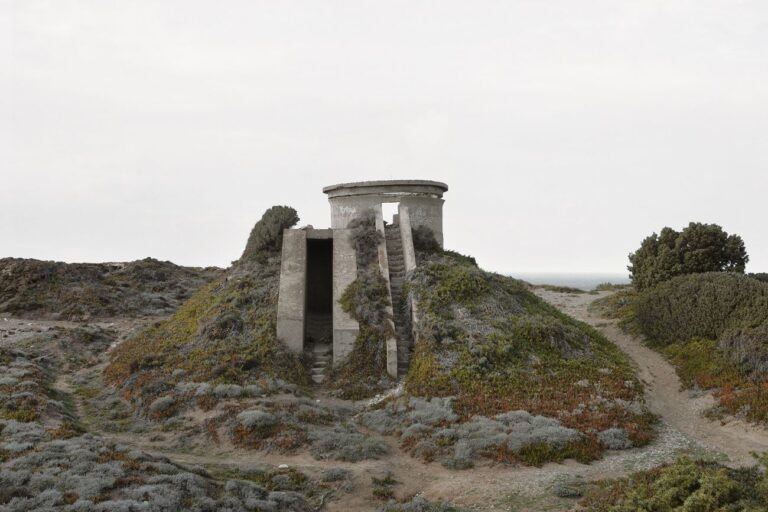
583 281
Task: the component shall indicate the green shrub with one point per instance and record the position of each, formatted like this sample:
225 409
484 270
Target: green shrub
561 289
685 485
365 239
424 240
697 248
713 327
618 306
364 372
267 234
701 306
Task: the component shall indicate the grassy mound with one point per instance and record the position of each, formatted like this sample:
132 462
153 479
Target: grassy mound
713 328
225 334
76 291
493 346
686 485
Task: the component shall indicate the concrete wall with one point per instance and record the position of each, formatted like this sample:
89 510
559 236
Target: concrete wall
345 328
409 253
409 258
293 286
426 211
423 198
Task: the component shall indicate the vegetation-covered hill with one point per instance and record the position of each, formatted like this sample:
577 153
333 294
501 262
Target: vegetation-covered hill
77 291
548 386
496 371
224 334
713 327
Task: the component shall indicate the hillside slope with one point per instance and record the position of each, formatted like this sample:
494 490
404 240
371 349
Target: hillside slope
499 373
79 291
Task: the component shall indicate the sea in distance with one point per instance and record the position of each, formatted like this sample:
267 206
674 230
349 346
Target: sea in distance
586 281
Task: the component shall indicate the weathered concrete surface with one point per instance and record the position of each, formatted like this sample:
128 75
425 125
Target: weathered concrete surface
423 198
409 260
345 328
293 285
392 357
319 234
409 253
426 211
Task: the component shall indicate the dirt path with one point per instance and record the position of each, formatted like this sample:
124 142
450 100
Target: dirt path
680 409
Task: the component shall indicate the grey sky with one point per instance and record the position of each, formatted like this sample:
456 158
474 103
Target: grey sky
567 131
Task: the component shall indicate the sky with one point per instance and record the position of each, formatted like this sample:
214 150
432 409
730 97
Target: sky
566 131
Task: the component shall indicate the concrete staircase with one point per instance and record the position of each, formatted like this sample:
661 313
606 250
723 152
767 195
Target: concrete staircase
399 303
319 347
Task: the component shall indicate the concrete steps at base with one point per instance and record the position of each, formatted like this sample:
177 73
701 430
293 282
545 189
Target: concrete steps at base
322 358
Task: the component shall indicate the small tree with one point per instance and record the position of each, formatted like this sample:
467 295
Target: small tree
267 235
697 248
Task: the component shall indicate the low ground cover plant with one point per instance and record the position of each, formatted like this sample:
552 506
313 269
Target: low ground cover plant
684 485
85 291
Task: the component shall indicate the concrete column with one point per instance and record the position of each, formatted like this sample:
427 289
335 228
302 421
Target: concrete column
291 302
409 257
406 235
345 328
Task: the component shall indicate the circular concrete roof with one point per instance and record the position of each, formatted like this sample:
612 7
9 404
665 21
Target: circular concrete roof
387 187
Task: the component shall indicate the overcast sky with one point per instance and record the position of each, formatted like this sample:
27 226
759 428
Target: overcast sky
567 131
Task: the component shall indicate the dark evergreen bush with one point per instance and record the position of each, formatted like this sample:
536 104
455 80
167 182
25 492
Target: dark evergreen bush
424 240
697 248
267 235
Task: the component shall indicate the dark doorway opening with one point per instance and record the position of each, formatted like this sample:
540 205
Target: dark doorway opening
319 329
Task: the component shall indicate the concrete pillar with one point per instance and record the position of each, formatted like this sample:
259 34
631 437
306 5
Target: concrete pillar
392 357
345 328
291 302
409 257
406 235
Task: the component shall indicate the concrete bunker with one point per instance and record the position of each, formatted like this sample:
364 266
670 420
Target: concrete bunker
319 264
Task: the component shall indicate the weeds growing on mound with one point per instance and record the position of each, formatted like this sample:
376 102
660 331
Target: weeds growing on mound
225 334
495 347
364 372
